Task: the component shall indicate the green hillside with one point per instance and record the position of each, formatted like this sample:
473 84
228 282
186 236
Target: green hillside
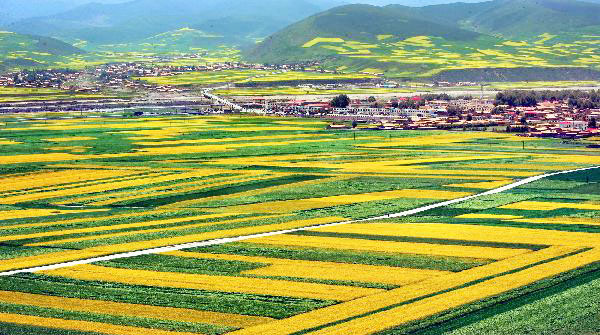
422 42
184 40
17 50
515 18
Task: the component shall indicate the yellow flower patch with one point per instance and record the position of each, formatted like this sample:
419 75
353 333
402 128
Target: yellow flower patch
101 236
214 283
70 139
56 178
439 303
70 255
35 213
483 185
488 216
461 232
105 186
133 310
85 326
8 142
324 270
389 247
374 302
563 220
109 228
312 203
318 40
549 206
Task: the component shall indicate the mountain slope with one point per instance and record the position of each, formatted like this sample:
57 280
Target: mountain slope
140 19
515 18
357 23
422 42
17 50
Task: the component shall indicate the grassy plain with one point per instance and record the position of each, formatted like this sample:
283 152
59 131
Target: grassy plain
80 188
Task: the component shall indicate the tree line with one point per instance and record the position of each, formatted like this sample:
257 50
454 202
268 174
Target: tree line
575 98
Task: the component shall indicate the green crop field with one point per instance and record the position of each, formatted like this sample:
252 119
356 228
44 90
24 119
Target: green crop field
79 188
19 94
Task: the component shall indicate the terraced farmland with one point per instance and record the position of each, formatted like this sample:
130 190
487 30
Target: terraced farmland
78 189
424 56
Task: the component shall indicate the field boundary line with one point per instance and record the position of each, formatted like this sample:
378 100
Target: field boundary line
219 241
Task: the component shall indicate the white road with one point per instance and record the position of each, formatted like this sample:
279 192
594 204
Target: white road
280 232
225 102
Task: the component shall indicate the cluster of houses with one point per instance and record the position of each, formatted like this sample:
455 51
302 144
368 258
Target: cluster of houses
556 119
38 79
548 119
121 76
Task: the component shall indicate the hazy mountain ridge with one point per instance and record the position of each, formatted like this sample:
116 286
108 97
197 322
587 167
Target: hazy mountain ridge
140 19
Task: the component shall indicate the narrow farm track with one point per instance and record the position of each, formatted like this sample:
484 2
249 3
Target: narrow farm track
280 232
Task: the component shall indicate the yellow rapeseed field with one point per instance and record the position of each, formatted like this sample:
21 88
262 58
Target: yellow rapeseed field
324 270
232 139
70 139
439 303
55 178
214 283
4 141
388 246
83 220
549 206
100 236
36 213
483 185
561 220
304 204
179 188
85 326
488 216
144 180
442 139
111 227
382 300
133 310
473 233
70 255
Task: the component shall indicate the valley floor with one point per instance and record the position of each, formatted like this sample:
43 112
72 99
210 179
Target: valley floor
77 189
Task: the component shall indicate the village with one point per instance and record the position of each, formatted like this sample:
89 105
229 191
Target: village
547 119
555 117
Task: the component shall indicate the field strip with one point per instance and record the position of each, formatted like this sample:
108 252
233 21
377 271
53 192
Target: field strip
286 231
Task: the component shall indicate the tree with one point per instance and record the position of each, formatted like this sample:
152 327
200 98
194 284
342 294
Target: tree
593 123
454 110
524 120
341 101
